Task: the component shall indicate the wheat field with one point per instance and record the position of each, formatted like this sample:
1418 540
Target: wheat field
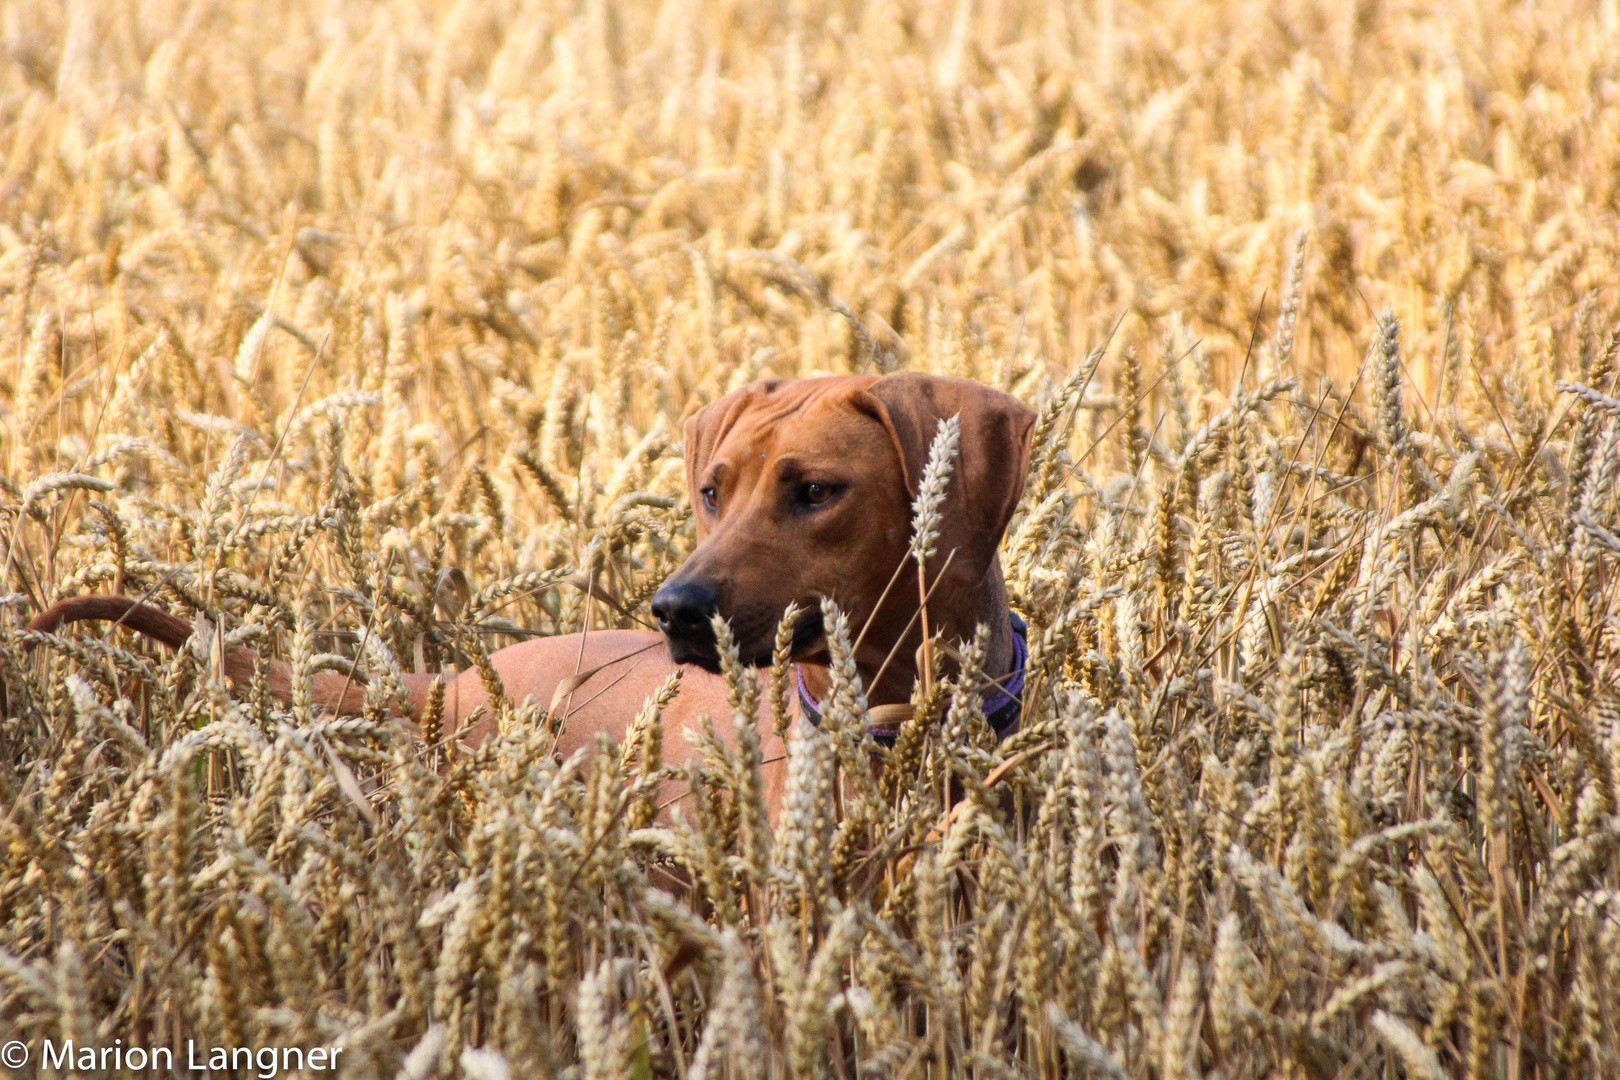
363 333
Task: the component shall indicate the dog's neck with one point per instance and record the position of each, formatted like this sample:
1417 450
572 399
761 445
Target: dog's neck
954 614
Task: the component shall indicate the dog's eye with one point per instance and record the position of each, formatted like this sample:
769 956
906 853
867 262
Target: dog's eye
711 499
815 494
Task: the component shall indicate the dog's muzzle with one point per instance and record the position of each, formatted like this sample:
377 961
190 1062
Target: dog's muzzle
684 610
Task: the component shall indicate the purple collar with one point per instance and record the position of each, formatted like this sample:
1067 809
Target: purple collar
1003 704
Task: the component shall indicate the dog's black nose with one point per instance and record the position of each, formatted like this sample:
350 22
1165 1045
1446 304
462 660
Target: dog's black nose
684 608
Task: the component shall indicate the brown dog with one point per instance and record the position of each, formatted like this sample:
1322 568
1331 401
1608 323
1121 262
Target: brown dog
802 490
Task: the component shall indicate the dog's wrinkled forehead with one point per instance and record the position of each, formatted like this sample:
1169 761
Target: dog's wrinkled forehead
809 419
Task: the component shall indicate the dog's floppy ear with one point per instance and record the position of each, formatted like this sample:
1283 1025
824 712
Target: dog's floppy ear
994 454
706 428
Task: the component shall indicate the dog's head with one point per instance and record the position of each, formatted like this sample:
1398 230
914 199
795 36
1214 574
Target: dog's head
802 489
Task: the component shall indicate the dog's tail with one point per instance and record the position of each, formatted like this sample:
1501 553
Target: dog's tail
155 623
331 692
